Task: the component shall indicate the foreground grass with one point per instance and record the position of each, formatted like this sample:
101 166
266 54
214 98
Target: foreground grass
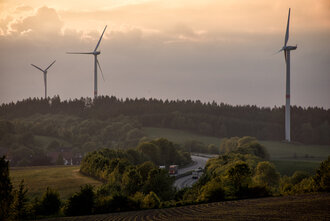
281 150
302 207
288 167
65 179
179 136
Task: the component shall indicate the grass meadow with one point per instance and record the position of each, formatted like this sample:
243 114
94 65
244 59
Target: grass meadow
65 179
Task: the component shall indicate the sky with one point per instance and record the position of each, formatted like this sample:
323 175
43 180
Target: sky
208 50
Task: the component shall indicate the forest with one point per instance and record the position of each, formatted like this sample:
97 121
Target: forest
50 131
23 140
308 125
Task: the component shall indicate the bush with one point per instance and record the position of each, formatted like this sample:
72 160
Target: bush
20 210
50 203
298 176
239 177
115 203
304 186
138 198
322 176
257 191
5 189
151 201
266 175
212 192
81 203
299 182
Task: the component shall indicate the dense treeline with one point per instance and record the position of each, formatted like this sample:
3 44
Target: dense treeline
69 133
309 125
18 142
107 164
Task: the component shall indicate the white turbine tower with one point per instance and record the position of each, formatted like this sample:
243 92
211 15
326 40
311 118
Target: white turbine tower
287 50
45 75
96 62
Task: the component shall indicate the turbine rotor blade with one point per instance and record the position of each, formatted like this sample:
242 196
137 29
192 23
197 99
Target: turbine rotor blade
98 64
50 65
278 51
285 56
80 52
37 67
98 43
287 30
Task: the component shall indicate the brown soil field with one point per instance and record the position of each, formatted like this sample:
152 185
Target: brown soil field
301 207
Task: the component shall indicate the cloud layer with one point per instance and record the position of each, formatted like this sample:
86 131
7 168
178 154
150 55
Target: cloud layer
216 50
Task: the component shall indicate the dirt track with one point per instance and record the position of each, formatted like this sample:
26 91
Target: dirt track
302 207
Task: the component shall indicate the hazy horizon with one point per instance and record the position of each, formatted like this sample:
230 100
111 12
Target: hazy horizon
220 51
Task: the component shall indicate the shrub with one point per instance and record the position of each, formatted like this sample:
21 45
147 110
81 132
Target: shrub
151 201
266 175
322 176
5 189
298 176
138 198
115 203
304 186
257 191
20 210
239 177
50 203
81 203
213 191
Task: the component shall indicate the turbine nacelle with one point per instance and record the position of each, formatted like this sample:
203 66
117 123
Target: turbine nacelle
289 48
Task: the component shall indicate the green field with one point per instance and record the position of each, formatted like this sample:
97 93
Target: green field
179 136
65 179
286 157
288 167
281 150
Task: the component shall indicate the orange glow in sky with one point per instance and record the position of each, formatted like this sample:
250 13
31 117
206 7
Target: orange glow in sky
218 50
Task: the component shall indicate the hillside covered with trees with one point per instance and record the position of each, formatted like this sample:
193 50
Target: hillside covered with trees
308 125
45 139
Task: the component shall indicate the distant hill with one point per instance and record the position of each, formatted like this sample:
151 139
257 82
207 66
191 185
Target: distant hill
309 125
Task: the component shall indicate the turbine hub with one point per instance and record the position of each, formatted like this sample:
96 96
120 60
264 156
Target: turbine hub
96 52
289 48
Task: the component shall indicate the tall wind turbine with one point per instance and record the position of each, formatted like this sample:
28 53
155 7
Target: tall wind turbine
287 50
45 75
96 62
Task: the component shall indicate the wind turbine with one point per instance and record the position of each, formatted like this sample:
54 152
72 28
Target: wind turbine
45 75
96 62
287 50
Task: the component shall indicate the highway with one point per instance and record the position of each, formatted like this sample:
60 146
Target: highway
188 181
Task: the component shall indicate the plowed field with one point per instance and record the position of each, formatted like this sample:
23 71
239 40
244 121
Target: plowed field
302 207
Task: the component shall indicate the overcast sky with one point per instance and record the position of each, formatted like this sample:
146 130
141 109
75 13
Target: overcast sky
211 50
